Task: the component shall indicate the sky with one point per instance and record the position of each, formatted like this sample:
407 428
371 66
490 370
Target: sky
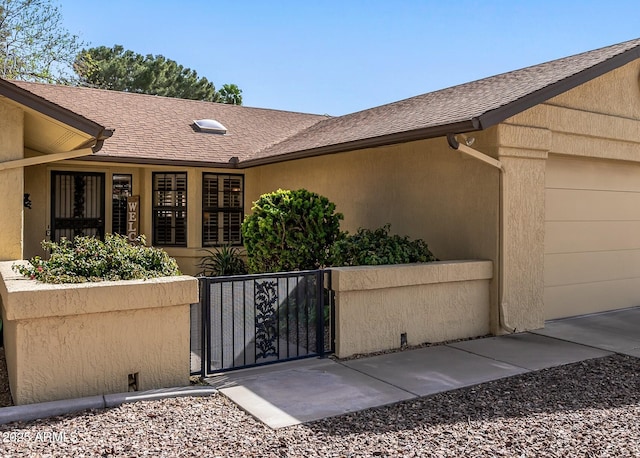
340 56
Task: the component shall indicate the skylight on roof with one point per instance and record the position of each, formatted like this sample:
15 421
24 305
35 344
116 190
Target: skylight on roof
210 125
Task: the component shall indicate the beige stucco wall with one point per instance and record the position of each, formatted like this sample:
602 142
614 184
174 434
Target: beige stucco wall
424 189
11 182
38 184
580 199
67 341
522 152
431 302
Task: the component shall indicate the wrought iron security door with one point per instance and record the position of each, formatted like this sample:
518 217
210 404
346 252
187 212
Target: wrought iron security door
77 204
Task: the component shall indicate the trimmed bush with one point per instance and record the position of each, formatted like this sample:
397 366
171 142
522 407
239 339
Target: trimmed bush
290 230
377 247
88 259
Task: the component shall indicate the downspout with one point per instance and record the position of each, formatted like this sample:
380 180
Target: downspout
464 148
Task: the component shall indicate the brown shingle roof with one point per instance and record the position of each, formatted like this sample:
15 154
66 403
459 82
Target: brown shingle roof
467 107
156 129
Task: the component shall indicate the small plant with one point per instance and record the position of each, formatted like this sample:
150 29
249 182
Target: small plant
88 259
290 230
225 261
377 247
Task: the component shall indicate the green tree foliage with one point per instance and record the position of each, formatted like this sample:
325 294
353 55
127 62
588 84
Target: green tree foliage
34 45
377 247
231 94
123 70
290 230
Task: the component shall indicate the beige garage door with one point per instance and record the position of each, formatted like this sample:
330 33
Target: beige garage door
592 236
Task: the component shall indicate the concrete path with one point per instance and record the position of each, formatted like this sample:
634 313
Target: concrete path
300 391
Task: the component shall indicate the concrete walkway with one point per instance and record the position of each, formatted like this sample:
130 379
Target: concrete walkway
300 391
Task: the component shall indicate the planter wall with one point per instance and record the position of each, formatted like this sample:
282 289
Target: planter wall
431 302
67 341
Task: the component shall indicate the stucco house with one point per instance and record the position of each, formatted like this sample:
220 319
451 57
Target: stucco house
549 190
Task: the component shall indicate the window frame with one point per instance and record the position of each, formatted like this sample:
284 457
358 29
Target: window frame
173 209
222 210
120 197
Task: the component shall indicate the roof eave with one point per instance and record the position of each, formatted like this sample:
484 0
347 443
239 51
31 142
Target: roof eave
155 161
496 116
50 109
469 125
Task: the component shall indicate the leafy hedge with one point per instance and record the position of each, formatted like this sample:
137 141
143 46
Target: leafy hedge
290 230
88 259
377 247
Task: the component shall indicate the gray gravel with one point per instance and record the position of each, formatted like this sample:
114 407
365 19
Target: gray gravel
587 409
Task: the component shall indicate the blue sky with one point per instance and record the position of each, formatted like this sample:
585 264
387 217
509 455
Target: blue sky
341 56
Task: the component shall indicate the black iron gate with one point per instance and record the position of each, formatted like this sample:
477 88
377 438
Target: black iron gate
77 204
250 320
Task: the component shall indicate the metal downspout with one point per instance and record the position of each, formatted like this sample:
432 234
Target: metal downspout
502 306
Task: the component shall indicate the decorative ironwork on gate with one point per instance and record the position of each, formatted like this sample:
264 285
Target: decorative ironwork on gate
250 320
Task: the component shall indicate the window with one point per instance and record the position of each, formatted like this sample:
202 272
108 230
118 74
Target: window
170 209
222 209
120 190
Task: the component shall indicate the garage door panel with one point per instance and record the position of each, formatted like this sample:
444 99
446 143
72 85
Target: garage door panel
571 300
588 205
588 236
592 236
571 173
579 268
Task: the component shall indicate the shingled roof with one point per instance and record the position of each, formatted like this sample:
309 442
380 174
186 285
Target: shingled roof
153 129
472 106
157 129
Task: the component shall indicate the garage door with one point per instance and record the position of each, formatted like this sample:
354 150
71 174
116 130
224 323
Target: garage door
592 236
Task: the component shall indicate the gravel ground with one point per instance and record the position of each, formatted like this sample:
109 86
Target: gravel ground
587 409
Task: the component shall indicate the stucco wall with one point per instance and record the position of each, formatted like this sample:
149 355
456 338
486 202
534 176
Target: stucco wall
584 202
11 182
424 189
38 219
430 302
67 341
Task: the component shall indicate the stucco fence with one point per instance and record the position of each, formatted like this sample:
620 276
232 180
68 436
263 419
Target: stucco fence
382 307
68 341
65 341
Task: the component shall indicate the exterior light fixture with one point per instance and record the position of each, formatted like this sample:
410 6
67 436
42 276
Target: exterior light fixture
468 140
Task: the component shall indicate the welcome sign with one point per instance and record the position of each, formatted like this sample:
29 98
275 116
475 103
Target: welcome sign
133 217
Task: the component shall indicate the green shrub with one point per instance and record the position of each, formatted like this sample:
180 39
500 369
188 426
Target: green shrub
290 230
225 261
377 247
89 259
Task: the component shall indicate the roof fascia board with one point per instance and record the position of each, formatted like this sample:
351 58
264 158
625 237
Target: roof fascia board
150 161
373 142
493 117
41 105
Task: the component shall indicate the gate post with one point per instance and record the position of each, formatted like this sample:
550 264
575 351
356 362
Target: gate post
320 313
